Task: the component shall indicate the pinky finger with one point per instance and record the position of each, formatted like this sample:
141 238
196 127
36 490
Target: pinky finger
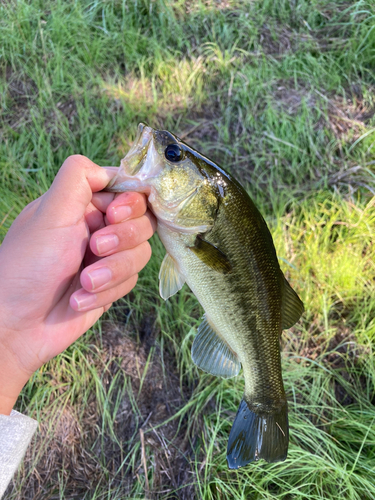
82 301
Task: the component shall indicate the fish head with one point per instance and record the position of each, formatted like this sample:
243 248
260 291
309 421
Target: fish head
180 191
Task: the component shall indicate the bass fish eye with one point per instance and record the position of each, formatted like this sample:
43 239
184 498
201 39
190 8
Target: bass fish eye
173 152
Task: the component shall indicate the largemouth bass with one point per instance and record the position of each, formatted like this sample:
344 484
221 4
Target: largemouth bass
219 244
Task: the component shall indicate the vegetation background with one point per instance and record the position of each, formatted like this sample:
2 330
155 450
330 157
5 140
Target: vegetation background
281 93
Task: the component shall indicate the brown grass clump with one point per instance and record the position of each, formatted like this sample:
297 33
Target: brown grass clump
276 41
192 6
337 350
164 448
289 98
21 91
128 434
21 98
347 118
59 453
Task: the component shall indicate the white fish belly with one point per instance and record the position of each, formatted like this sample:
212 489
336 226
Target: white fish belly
207 285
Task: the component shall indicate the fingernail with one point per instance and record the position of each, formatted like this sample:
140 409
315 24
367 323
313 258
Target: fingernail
106 243
121 213
84 299
99 277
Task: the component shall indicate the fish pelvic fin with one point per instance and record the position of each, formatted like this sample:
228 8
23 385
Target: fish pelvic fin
212 354
292 307
258 435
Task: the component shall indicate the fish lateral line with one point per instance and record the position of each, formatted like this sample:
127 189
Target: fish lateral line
202 210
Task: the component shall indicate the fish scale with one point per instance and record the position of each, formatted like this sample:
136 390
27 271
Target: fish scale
219 244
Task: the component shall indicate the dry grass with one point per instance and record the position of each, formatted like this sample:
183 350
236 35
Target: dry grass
146 434
277 94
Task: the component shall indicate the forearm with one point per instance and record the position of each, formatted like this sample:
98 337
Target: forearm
6 405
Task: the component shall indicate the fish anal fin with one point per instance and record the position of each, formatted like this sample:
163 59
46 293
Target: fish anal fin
258 435
170 278
212 354
212 256
292 307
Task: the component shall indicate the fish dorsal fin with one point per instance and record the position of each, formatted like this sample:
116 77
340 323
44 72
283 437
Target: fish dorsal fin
212 354
170 278
211 256
292 307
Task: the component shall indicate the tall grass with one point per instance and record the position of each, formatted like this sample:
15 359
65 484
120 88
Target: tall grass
281 94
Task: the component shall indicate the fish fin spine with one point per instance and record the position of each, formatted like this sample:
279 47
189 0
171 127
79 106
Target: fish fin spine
258 435
292 307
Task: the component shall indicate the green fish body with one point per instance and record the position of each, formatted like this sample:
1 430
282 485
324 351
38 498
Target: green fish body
219 244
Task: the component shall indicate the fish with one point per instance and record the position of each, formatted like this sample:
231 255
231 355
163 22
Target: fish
217 242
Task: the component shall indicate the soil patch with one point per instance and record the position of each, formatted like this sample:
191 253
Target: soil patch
340 353
21 92
126 435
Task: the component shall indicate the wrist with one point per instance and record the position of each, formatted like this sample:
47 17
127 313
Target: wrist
12 380
7 404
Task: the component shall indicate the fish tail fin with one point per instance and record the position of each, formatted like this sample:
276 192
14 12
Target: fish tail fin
258 435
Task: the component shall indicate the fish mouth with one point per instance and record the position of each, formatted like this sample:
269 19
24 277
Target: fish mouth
139 171
140 163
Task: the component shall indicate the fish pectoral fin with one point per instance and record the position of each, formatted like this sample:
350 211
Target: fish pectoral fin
212 354
292 307
170 278
211 256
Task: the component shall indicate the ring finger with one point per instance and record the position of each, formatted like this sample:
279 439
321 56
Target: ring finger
83 301
115 269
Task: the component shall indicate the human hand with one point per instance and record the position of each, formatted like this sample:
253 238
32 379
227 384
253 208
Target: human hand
65 259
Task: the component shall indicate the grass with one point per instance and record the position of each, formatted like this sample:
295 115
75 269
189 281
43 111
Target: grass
280 93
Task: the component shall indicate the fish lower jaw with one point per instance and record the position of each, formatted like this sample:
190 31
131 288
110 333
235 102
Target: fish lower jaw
122 184
169 225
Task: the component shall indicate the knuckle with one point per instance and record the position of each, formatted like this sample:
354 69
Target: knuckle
147 251
31 207
73 160
133 281
141 202
153 222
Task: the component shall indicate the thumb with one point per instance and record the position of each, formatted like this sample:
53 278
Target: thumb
71 191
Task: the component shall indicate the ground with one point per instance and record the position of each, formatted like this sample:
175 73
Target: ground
282 95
